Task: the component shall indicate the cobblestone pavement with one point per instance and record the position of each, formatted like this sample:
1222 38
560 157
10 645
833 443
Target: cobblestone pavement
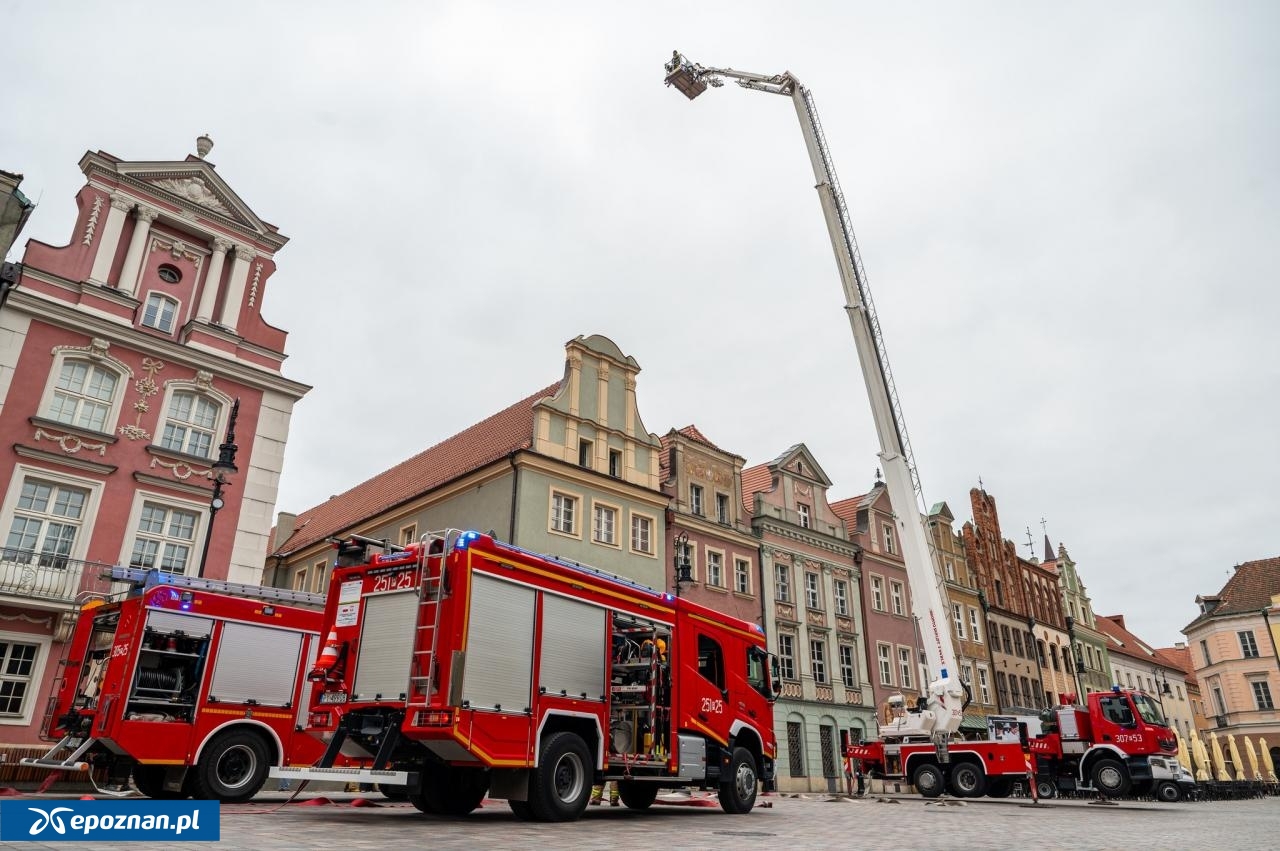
267 824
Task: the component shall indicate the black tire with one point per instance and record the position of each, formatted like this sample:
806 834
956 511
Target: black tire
423 804
393 793
150 781
738 791
1168 792
999 787
1111 778
232 768
521 809
451 790
561 784
636 795
1046 789
928 780
968 780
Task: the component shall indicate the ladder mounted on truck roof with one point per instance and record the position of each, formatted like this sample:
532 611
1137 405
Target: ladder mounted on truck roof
143 579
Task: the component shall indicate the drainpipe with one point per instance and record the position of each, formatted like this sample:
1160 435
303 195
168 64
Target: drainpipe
1266 622
515 494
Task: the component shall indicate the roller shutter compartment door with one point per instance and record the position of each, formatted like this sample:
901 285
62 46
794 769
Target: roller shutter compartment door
388 626
573 644
256 663
499 652
189 625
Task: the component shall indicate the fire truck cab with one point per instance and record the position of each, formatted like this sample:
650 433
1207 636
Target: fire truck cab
466 667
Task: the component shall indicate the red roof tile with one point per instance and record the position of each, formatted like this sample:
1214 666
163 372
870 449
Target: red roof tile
1248 590
1124 642
755 480
483 443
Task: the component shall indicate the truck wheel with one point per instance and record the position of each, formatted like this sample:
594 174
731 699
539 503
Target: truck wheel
561 783
1046 789
968 780
738 792
1168 791
521 809
232 768
150 781
928 780
999 787
1110 778
636 795
392 792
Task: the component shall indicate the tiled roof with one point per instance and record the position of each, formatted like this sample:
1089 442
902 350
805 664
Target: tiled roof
483 443
1248 590
754 480
691 431
847 510
1124 642
1178 658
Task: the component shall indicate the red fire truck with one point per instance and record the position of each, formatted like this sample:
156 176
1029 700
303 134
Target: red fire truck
189 686
1117 744
466 667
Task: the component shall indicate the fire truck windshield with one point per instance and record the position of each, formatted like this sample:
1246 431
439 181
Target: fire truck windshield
1149 710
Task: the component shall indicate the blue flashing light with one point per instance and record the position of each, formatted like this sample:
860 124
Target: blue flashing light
187 599
1115 688
668 597
465 539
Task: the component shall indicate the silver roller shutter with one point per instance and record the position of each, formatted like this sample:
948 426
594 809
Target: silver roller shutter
191 625
386 645
499 653
256 663
573 644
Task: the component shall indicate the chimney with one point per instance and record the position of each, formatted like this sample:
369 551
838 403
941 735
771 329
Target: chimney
285 523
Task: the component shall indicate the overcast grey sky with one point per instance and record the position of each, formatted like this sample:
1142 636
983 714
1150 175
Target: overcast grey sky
1068 215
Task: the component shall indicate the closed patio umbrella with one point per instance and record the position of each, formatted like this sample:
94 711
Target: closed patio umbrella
1253 757
1218 759
1266 760
1204 768
1234 750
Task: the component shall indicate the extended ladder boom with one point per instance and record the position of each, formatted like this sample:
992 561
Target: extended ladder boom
901 479
149 578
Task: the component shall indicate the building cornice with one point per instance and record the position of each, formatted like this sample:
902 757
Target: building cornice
88 466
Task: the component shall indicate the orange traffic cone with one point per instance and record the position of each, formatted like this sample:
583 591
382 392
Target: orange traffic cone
328 658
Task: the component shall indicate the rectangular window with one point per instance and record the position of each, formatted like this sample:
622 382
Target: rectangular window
787 656
1262 695
45 523
300 579
818 655
695 499
641 534
950 567
615 463
1204 651
896 595
82 395
811 596
1002 688
827 740
159 313
408 534
905 664
888 540
984 684
957 616
742 576
319 574
803 511
564 509
1017 643
966 674
1000 596
884 655
584 453
722 508
604 523
795 749
877 593
164 540
995 637
17 674
976 633
715 569
1248 647
189 424
848 670
782 579
841 589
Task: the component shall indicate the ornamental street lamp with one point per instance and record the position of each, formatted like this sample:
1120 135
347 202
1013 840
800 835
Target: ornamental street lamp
683 570
225 465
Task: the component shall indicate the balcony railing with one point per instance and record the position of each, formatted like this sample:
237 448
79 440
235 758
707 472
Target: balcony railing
52 578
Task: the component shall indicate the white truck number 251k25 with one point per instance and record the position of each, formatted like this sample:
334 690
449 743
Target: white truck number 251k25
714 707
393 581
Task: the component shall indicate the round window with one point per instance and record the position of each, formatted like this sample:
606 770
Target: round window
169 274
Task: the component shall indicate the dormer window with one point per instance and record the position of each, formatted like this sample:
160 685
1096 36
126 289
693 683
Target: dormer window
159 313
169 274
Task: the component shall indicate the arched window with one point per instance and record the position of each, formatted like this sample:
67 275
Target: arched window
82 395
190 423
159 313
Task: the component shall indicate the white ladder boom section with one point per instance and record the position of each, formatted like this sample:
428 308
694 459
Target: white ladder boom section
149 578
927 599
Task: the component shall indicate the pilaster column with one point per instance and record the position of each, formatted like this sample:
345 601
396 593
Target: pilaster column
120 206
137 250
212 278
236 286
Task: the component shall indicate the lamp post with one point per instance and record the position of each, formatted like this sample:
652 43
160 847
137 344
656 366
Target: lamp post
1077 656
225 465
680 559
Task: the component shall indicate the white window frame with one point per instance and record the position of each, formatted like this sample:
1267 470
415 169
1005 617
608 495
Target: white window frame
897 597
984 683
723 514
34 694
848 665
695 500
408 534
21 472
222 400
975 631
94 358
575 524
300 578
161 299
818 660
884 658
906 664
201 510
742 576
601 512
877 593
164 538
802 512
782 582
812 590
652 522
1249 649
319 577
787 656
715 559
890 546
840 590
957 617
950 567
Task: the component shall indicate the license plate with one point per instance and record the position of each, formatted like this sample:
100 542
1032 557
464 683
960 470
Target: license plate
333 697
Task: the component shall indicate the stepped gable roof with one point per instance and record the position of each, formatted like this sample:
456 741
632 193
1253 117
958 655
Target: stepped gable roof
1248 591
487 441
755 480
